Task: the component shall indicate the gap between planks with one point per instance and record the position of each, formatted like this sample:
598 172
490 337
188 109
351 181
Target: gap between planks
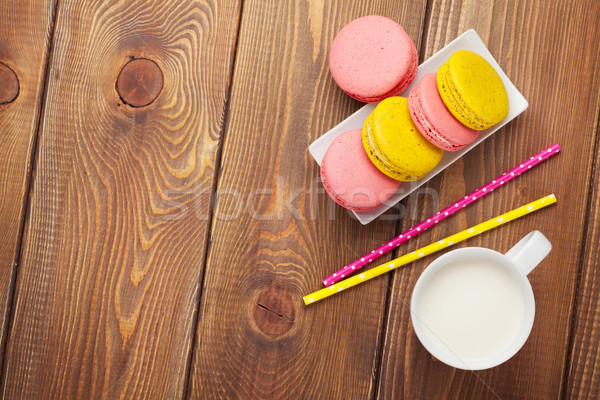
215 183
423 37
27 196
581 258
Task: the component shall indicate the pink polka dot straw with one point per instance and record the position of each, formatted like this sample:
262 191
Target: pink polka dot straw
445 213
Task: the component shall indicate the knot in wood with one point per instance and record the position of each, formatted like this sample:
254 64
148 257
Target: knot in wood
274 313
9 84
139 83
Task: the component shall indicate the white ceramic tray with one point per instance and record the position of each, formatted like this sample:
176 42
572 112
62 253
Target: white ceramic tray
468 41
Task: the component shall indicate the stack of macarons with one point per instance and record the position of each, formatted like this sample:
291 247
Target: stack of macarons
394 144
373 60
465 96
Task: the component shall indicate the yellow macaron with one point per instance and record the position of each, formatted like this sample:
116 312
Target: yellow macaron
395 145
472 90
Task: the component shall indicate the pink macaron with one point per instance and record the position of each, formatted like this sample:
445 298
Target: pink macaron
349 176
434 120
373 58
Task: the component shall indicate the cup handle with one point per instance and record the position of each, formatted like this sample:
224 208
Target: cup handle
530 251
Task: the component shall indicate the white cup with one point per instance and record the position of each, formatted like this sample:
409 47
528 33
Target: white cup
473 308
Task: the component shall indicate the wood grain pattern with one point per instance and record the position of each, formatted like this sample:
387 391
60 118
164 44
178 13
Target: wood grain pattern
563 99
255 337
24 41
122 215
583 379
115 241
9 85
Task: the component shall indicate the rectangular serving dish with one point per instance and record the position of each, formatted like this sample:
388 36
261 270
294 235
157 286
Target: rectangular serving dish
469 40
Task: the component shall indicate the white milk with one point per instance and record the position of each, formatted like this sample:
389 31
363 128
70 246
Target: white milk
471 308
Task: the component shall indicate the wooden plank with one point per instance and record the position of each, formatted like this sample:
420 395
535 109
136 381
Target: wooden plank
114 245
275 233
24 42
556 70
583 380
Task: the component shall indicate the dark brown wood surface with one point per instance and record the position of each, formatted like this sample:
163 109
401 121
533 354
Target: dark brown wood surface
24 40
114 245
537 370
583 370
175 218
253 327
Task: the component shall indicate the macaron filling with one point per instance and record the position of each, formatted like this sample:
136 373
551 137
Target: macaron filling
473 90
390 170
455 104
434 120
422 121
394 143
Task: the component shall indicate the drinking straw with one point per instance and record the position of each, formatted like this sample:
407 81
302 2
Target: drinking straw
445 213
432 248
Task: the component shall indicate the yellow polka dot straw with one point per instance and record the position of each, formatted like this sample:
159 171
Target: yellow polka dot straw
432 248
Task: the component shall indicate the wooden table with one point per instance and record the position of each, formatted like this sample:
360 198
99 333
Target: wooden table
161 217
